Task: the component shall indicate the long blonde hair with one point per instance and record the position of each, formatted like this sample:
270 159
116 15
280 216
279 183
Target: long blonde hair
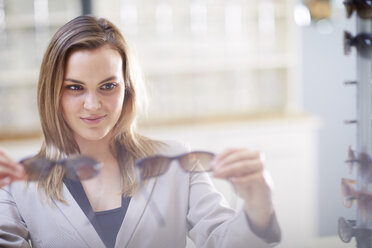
87 32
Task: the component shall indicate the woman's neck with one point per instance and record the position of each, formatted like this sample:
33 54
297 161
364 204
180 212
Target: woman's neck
97 149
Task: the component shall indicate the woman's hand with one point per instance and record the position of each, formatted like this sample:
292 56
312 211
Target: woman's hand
244 169
9 170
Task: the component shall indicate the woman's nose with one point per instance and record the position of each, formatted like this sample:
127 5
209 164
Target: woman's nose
92 102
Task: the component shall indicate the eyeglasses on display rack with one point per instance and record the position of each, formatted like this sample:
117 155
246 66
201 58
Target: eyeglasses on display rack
362 42
359 191
347 229
364 160
77 167
362 7
363 198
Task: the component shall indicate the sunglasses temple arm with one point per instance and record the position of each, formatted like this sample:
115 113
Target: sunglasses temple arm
154 208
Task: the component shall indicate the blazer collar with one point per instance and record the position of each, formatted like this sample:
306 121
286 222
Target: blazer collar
136 209
78 220
85 230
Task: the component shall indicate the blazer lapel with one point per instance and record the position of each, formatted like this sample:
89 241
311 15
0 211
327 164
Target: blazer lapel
137 206
80 224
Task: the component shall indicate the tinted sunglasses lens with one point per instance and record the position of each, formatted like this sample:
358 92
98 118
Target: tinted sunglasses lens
347 190
345 230
153 166
82 168
36 168
196 161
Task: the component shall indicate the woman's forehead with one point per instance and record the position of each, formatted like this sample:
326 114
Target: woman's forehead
100 62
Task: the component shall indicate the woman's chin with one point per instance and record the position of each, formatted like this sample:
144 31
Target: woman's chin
92 136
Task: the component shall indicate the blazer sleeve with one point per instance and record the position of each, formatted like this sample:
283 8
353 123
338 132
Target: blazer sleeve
211 223
13 230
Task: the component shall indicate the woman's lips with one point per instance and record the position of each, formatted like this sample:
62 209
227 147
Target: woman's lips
93 119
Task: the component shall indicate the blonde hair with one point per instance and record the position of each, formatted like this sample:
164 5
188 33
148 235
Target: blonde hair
87 32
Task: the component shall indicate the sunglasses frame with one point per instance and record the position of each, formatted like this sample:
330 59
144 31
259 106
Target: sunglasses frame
362 7
361 158
350 41
362 197
346 229
348 184
38 168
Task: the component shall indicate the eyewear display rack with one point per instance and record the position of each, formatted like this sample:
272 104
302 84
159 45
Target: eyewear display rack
364 129
361 228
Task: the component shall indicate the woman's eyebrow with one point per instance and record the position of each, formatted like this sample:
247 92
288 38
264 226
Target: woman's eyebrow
80 82
73 80
108 79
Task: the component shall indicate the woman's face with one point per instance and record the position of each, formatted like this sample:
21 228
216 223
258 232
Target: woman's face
93 92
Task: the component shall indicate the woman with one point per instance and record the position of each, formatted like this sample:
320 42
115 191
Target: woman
87 99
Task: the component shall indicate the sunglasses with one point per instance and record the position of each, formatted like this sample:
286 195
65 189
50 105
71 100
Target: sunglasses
362 42
361 158
364 198
77 167
153 166
193 162
362 7
346 229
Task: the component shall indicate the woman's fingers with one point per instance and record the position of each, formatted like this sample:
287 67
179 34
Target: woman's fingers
12 173
10 170
11 167
238 168
244 169
234 154
236 163
249 179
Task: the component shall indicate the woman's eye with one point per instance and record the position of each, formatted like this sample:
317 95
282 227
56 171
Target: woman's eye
109 86
74 87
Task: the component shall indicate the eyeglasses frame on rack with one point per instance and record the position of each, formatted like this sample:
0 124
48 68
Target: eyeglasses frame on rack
363 8
362 42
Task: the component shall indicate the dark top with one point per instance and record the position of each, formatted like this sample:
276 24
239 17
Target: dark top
106 223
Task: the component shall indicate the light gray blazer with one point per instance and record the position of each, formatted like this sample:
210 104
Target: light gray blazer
188 203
